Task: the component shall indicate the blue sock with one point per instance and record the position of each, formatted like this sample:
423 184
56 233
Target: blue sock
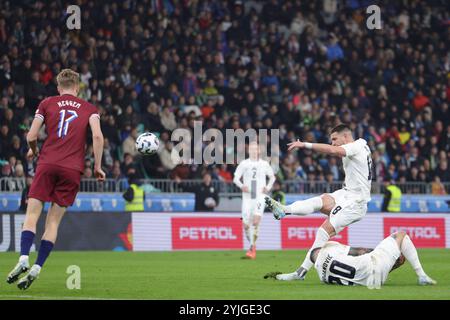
26 241
44 250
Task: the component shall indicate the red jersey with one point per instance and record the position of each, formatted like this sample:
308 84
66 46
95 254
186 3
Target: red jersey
66 120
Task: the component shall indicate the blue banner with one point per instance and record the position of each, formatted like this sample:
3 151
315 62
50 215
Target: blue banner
184 202
111 202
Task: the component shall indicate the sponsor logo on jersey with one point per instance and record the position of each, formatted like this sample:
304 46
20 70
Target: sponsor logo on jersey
297 232
424 232
206 233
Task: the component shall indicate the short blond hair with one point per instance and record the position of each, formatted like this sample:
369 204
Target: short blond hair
68 78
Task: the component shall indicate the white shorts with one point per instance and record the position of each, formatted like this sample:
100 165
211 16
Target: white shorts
348 209
383 258
252 207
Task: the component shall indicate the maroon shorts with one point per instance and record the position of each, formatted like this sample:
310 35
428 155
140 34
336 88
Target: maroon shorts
55 184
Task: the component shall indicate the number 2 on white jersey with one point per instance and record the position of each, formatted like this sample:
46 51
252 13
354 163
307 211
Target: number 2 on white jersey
253 186
63 125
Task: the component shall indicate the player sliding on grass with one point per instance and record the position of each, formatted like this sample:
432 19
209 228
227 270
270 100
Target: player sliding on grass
336 263
344 206
254 172
59 168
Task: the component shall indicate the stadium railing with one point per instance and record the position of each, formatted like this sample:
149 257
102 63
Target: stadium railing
9 184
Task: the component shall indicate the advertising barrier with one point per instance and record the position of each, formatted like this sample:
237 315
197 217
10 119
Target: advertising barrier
424 232
217 231
212 233
301 233
165 231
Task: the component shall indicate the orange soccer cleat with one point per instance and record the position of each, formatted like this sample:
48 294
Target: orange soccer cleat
251 253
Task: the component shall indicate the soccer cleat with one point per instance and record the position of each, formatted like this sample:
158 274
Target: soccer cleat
21 267
275 207
425 281
25 282
251 253
254 252
272 275
300 274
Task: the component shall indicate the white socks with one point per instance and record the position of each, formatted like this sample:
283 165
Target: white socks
321 238
251 233
304 207
35 270
255 234
23 260
409 251
247 234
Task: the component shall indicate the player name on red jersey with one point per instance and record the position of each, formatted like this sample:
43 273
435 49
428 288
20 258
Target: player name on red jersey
67 103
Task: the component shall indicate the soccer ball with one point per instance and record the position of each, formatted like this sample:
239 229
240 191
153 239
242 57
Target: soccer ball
147 143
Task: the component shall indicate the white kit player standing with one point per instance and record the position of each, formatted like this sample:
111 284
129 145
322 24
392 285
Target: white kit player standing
254 172
343 207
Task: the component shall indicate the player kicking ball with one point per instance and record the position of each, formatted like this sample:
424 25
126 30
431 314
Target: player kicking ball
343 207
254 172
59 168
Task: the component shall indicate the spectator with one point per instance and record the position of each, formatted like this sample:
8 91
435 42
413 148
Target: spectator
224 174
168 120
290 64
152 120
134 196
392 197
35 90
128 145
420 101
334 50
107 154
165 155
88 183
437 188
442 171
19 175
206 196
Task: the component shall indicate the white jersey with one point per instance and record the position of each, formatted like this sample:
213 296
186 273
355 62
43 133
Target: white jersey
358 169
254 175
335 266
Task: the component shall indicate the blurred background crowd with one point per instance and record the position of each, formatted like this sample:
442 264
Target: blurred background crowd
298 66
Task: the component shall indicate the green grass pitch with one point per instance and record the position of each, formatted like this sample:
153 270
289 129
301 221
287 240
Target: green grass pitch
210 275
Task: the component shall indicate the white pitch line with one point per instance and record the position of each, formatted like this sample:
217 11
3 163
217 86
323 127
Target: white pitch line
55 298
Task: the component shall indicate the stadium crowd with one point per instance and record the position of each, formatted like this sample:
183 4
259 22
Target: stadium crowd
298 66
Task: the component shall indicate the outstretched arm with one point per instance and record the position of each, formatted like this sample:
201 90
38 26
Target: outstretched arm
319 147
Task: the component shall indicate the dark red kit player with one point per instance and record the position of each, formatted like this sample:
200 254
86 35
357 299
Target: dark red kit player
59 168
